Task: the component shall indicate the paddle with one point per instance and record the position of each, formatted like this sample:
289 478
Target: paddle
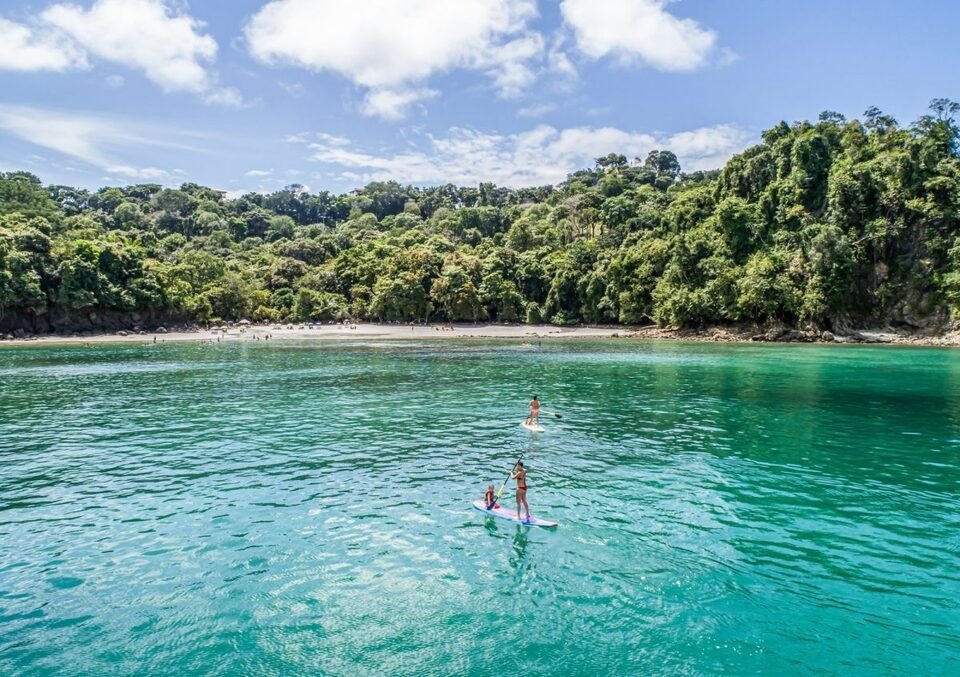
551 413
509 475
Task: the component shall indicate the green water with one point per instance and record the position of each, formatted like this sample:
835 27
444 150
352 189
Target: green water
284 508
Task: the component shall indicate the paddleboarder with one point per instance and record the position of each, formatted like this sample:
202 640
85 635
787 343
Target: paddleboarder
520 475
534 418
490 498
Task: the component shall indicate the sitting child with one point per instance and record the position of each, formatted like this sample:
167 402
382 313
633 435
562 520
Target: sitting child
489 499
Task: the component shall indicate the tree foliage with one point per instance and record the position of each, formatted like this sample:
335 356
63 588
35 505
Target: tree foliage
823 222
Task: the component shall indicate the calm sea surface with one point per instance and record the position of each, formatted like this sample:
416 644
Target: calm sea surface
281 508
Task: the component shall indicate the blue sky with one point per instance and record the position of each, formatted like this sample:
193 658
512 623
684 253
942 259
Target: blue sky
257 94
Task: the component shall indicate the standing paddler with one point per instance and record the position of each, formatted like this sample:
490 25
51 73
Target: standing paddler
520 475
534 417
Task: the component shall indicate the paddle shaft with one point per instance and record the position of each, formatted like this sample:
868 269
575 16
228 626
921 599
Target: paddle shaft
504 485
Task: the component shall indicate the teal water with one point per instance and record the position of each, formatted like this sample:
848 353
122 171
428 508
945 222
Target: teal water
304 508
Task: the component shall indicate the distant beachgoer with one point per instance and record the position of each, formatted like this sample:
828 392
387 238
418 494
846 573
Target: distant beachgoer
520 475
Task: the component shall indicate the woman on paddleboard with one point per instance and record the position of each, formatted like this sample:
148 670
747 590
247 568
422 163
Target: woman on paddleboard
534 418
520 475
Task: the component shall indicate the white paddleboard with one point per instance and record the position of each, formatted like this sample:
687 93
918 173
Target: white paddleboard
532 427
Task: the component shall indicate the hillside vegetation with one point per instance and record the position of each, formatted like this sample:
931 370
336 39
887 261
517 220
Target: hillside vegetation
824 225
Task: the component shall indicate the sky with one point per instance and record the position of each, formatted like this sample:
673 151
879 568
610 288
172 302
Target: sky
254 95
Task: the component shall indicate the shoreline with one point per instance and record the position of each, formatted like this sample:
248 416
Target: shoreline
365 330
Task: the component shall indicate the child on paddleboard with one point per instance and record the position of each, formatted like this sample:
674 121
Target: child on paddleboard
490 498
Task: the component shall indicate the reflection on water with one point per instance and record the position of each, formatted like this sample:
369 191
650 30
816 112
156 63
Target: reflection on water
292 507
520 542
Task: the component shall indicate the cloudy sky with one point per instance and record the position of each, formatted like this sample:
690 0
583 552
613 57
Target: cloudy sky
257 94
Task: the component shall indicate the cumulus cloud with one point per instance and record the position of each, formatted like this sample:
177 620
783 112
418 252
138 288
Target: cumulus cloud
509 65
28 48
168 46
394 104
542 155
95 140
392 48
224 96
638 30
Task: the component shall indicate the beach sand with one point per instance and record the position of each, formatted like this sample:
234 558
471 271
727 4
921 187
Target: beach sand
335 332
374 331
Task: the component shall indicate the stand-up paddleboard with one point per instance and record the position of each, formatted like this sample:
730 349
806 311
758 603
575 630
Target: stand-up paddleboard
532 427
503 513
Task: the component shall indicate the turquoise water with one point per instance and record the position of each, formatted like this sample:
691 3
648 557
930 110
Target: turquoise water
283 508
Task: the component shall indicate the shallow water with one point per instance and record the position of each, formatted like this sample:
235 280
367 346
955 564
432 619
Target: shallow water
279 508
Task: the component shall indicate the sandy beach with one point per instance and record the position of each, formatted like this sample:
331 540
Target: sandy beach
374 331
331 332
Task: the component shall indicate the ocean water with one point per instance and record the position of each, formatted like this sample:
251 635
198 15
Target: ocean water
305 508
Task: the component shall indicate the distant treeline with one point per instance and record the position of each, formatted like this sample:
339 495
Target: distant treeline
822 225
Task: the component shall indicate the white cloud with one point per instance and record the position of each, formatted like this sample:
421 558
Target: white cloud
145 34
540 156
321 137
391 48
224 96
536 110
391 104
509 67
115 81
558 62
638 30
294 89
259 172
333 139
25 48
95 140
168 46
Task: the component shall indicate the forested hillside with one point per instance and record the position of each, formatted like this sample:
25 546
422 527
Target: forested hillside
826 225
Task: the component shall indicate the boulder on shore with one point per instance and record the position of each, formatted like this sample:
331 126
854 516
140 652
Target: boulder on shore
796 336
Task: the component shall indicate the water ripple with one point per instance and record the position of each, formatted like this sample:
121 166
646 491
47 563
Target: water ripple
295 508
